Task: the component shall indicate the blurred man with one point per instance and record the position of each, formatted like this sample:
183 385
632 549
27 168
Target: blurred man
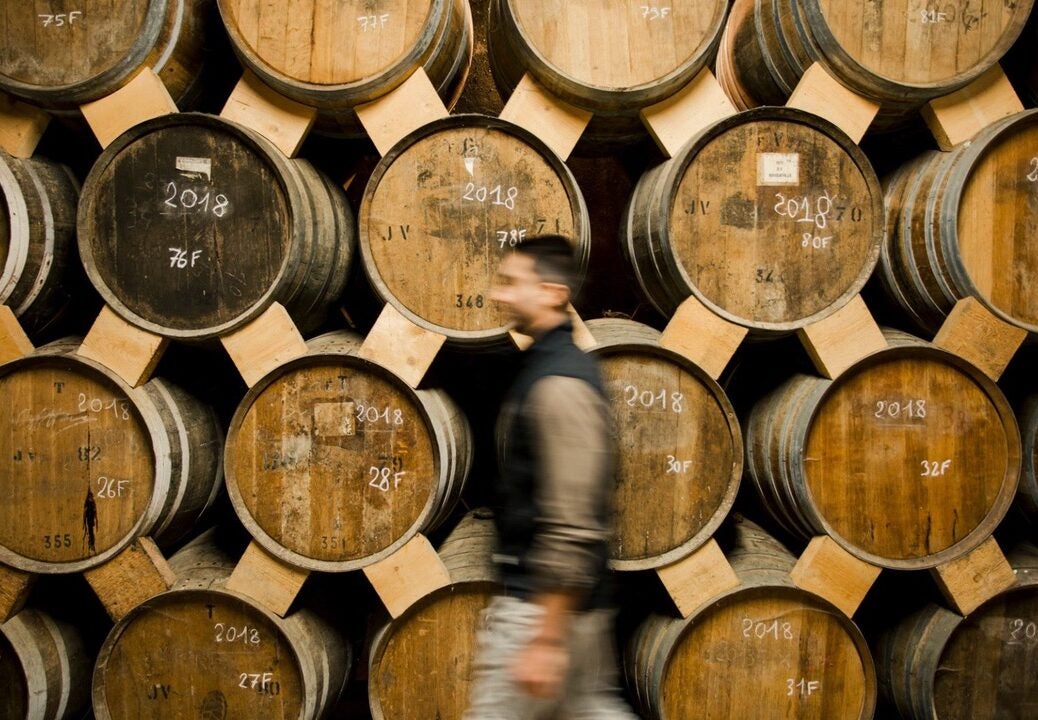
546 647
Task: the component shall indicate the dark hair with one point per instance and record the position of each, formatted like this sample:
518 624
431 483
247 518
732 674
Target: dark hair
553 258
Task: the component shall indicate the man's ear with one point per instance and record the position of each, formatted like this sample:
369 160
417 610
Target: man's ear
559 293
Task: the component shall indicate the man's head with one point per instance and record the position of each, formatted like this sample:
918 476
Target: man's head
535 281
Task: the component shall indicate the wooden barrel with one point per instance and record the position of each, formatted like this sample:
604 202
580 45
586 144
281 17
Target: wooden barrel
60 55
765 649
202 651
737 43
44 669
961 224
90 464
336 56
900 53
37 240
446 204
680 447
937 665
190 226
421 663
772 218
610 58
908 459
333 462
1028 419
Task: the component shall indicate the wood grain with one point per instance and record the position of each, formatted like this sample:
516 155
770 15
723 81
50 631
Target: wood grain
680 447
334 463
446 205
771 218
191 226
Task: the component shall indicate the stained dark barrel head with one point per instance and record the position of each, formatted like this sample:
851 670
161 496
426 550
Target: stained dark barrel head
186 223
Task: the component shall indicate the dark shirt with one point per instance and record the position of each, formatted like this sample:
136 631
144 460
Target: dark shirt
557 461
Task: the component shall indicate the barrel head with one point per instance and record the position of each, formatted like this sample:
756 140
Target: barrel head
911 458
333 463
989 666
422 664
14 700
186 225
680 456
606 56
78 465
800 657
50 49
774 219
199 654
879 47
446 205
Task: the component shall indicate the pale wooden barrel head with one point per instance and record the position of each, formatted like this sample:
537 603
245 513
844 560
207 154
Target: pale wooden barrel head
775 218
423 667
332 44
77 465
198 654
48 46
680 451
912 457
443 208
997 222
769 653
989 668
14 700
588 45
925 45
185 224
332 463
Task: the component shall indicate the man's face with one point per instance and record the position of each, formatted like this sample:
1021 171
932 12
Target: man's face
527 301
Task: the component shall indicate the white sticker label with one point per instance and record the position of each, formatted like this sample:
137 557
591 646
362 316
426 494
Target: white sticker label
196 166
778 169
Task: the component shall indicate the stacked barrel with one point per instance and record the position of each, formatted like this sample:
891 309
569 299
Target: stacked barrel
804 240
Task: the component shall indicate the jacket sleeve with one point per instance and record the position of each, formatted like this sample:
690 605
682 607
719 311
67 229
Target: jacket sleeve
573 442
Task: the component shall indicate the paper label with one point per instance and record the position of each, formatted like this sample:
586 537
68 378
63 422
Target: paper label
778 169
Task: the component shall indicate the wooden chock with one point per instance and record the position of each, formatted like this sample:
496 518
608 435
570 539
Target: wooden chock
582 337
971 580
701 103
137 573
14 591
270 340
702 336
397 114
957 117
282 121
558 124
129 351
267 580
829 571
972 332
143 98
819 93
14 343
698 578
840 340
21 126
408 575
400 346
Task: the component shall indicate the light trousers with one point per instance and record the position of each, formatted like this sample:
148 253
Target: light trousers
590 690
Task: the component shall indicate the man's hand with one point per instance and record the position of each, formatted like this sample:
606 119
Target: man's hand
541 667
